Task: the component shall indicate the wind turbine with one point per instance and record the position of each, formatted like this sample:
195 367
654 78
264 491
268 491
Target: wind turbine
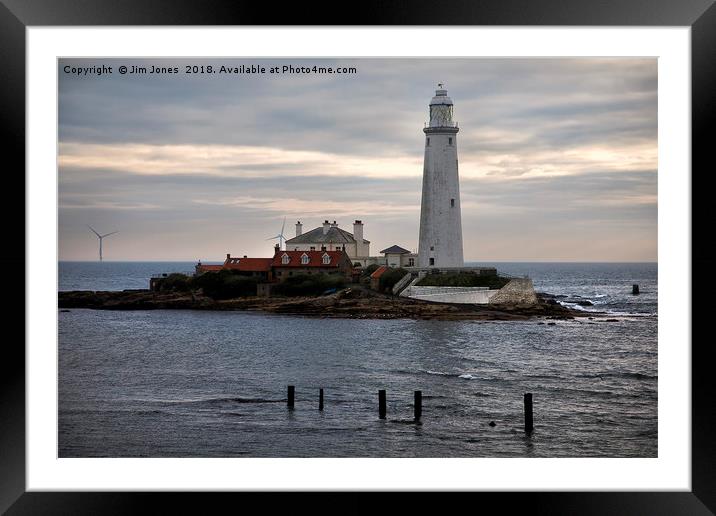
100 239
280 236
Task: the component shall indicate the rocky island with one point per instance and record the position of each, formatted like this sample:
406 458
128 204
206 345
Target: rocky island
354 302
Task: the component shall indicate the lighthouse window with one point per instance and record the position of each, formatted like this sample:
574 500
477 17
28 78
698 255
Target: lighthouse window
432 261
428 144
432 248
452 203
449 141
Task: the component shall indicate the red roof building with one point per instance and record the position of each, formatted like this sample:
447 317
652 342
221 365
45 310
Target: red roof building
248 264
260 267
201 268
285 264
375 276
291 263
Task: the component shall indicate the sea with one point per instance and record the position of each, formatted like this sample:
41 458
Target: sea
192 383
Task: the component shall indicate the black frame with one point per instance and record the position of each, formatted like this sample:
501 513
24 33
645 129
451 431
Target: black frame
16 15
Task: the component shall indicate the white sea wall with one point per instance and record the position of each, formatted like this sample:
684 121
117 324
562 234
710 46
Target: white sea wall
518 291
462 295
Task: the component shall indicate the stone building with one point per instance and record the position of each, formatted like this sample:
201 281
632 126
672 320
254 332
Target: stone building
329 237
396 256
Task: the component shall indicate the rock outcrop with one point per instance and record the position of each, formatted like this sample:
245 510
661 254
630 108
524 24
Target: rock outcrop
356 302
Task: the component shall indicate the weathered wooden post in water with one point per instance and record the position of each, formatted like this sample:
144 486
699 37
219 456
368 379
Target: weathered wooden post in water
320 399
381 404
529 426
635 289
291 390
418 405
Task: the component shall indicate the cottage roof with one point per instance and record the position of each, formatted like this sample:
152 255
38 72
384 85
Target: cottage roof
334 235
208 268
379 272
315 258
395 249
249 264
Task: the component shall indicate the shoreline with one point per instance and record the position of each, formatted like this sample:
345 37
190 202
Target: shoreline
349 303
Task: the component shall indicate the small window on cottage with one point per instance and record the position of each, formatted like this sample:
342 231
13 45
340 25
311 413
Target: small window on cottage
304 259
285 259
411 262
452 203
326 259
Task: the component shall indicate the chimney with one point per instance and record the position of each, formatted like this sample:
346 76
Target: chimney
228 256
244 256
361 251
334 224
358 231
276 249
299 228
326 225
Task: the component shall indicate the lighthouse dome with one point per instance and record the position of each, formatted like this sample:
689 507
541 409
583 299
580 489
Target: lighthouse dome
441 109
441 97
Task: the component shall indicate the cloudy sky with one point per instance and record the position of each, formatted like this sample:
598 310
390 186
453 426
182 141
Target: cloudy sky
558 157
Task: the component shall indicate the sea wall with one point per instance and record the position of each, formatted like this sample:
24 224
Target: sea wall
519 291
465 295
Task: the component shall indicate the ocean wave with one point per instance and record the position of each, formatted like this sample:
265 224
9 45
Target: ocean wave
438 373
632 375
221 399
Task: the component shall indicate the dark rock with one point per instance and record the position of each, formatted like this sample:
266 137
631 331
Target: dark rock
551 323
356 302
491 423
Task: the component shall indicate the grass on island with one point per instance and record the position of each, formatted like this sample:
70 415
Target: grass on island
309 285
493 281
228 284
225 284
389 278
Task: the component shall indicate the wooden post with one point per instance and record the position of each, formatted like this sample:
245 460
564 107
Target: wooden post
635 289
381 404
320 399
418 405
529 426
291 391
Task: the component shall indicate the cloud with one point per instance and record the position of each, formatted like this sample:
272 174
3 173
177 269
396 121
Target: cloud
556 155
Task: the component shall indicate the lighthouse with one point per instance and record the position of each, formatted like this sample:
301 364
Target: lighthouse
440 242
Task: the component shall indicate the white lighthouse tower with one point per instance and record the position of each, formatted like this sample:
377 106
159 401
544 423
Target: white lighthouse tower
440 243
